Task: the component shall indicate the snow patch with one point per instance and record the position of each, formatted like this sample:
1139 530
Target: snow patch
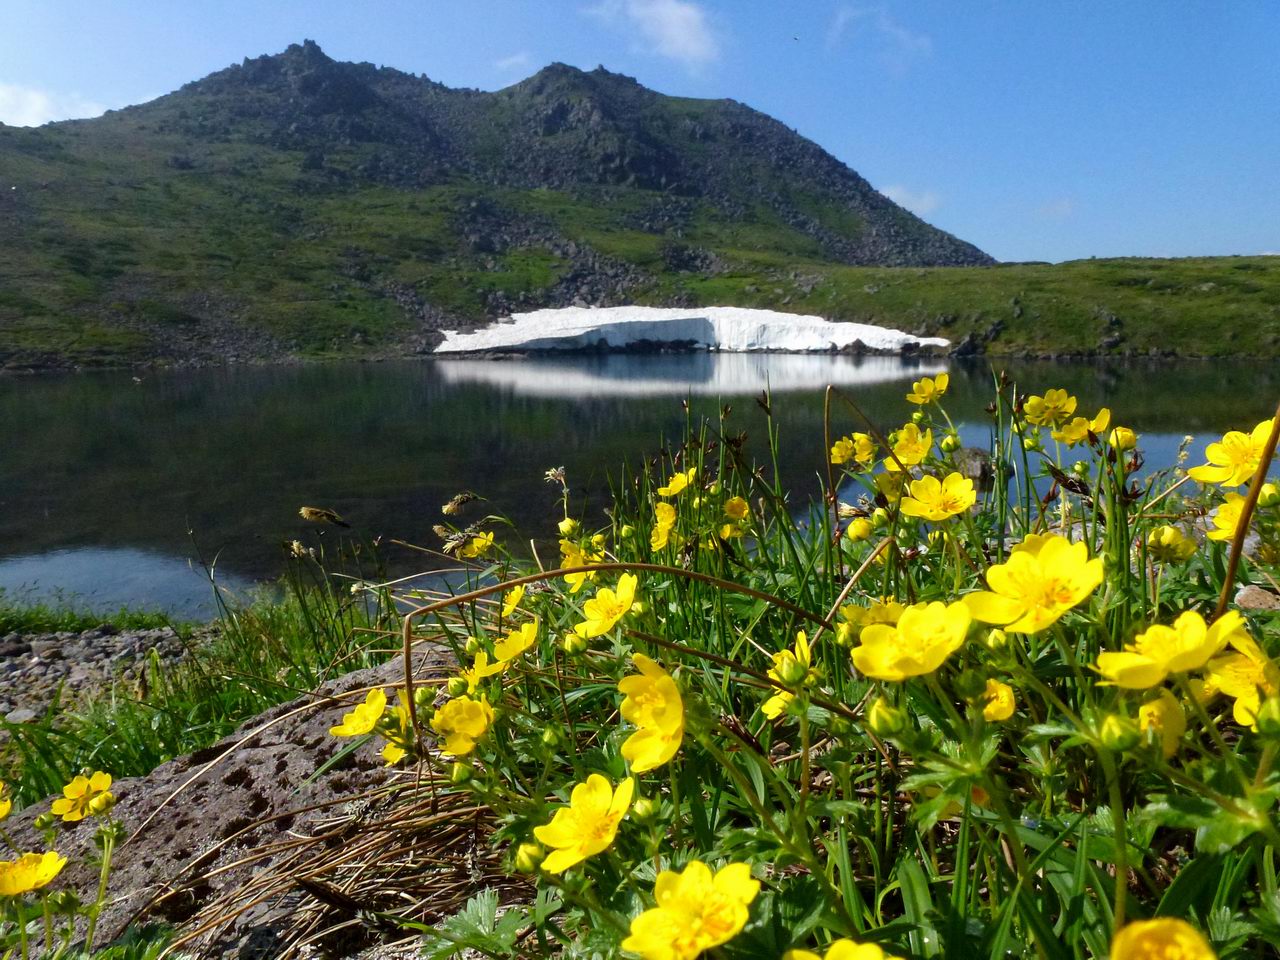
729 329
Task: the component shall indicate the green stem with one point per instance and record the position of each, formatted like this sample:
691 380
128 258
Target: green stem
1121 834
108 845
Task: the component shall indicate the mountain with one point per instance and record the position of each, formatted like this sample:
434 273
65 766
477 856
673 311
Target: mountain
297 206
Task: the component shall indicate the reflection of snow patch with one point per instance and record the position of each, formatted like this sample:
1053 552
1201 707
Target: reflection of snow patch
702 374
730 329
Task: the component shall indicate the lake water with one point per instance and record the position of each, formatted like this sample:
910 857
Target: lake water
115 490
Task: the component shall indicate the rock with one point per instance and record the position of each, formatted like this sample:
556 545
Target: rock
229 793
1253 597
21 715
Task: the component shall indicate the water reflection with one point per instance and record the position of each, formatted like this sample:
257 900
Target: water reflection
699 374
104 579
217 462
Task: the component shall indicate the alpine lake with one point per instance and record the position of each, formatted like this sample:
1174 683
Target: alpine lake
144 489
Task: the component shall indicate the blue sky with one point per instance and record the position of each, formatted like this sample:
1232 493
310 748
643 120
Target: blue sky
1035 130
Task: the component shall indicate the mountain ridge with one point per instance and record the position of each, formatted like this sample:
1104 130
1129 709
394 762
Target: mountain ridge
296 206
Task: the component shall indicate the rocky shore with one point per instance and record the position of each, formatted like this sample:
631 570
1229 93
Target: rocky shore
39 670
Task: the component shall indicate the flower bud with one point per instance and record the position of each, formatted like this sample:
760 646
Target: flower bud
1031 443
950 443
573 644
1080 468
472 646
551 737
790 670
567 527
880 516
460 772
422 697
714 487
456 686
1269 496
638 607
918 417
884 719
627 531
44 821
646 808
528 857
995 639
1122 438
860 528
1118 732
101 805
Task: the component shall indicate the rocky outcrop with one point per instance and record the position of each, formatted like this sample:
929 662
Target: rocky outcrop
195 823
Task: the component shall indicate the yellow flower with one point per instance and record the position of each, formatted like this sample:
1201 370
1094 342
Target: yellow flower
511 599
999 701
1235 458
1246 676
676 485
927 390
926 634
1051 410
854 617
790 668
1227 517
477 546
79 795
1079 428
607 607
481 669
843 950
936 500
665 519
736 508
462 721
6 801
1161 650
910 447
856 446
517 641
1037 584
393 753
587 825
401 736
1122 438
1164 938
1163 719
652 702
1167 544
696 911
567 527
29 872
572 555
364 717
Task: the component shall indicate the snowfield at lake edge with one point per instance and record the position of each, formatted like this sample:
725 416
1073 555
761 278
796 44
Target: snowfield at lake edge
728 329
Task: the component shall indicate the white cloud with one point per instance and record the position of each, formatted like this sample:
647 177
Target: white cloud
1058 209
898 46
517 61
29 107
676 29
918 202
